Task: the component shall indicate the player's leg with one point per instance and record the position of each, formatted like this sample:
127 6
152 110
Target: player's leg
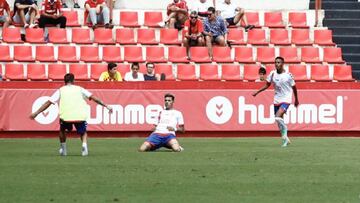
146 146
62 137
174 145
153 142
81 130
280 111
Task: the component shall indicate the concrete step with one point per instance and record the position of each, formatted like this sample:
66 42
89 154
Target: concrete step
343 22
351 57
351 5
340 30
341 13
346 39
350 48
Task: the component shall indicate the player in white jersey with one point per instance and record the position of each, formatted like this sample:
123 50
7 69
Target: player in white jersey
284 86
169 121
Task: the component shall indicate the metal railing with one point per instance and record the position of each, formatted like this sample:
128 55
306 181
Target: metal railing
318 4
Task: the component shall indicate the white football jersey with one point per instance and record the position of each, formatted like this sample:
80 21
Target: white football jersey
168 118
283 84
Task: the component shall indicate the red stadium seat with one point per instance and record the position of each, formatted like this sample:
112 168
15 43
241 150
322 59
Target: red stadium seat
320 73
146 36
310 55
343 73
252 19
265 54
298 20
36 71
56 71
290 54
169 36
80 71
45 54
14 71
251 72
96 69
177 54
133 54
257 37
125 36
103 36
186 72
71 18
58 35
300 37
67 54
23 53
222 55
123 69
323 37
333 55
155 54
129 19
209 72
165 69
279 37
89 54
81 36
199 54
112 54
269 68
34 35
244 55
274 20
5 53
298 72
152 18
236 36
230 72
12 35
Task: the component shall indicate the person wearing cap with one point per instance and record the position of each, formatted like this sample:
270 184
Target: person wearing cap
193 32
51 14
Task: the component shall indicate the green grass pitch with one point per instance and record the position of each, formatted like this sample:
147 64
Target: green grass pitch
209 170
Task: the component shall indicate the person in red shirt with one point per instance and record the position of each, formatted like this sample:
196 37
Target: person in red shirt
5 17
177 14
51 14
193 32
96 11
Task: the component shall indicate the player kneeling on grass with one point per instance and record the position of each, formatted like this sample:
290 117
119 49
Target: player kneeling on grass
72 111
170 121
284 86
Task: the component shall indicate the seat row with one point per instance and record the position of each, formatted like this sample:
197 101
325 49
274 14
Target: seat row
227 72
127 36
176 54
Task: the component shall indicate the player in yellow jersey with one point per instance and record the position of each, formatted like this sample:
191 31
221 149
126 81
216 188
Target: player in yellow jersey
111 74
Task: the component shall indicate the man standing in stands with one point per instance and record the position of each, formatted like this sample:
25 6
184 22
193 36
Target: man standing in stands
233 14
96 11
111 74
26 12
193 33
72 111
4 17
177 14
51 14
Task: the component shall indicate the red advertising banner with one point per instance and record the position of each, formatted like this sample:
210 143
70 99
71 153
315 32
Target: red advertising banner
203 110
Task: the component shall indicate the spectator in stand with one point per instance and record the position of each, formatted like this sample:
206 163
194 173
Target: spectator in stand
150 72
26 12
76 5
111 4
134 74
193 32
96 11
215 30
177 14
4 13
111 74
51 14
201 7
233 14
262 75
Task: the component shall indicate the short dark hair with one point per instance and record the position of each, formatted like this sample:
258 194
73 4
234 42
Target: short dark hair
69 78
262 70
149 63
135 64
111 66
169 95
211 9
194 13
280 58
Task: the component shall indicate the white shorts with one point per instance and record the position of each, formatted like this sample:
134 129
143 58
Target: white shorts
17 18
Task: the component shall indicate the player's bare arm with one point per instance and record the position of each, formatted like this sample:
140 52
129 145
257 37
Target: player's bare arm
181 129
41 109
98 101
267 85
296 96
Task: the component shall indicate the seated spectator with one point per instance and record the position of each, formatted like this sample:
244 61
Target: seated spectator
202 6
233 14
111 4
262 75
76 5
193 32
134 74
51 14
4 17
111 74
96 11
25 12
150 72
177 14
215 30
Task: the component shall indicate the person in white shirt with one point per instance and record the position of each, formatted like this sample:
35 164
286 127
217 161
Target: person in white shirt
169 122
134 74
284 86
202 6
233 14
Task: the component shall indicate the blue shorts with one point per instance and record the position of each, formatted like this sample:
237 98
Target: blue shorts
80 126
230 21
284 106
158 140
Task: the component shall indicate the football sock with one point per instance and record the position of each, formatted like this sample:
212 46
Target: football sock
63 145
84 145
282 126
